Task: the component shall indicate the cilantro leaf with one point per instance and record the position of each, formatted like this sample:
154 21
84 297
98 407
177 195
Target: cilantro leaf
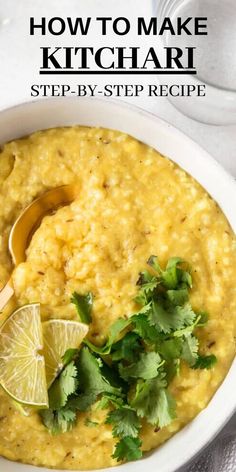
148 285
165 408
159 317
64 386
145 278
109 399
83 304
174 262
59 421
154 263
92 380
172 368
59 417
145 368
125 422
190 349
171 348
153 402
178 297
205 362
69 355
175 277
82 401
95 379
202 318
143 328
167 318
90 423
128 449
115 331
186 315
186 279
187 330
146 398
170 278
127 348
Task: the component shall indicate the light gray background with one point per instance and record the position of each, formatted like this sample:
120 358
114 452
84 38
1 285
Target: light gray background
20 58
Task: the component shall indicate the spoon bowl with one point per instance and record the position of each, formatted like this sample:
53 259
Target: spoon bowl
27 223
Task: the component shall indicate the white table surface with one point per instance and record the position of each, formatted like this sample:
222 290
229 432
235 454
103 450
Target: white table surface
20 59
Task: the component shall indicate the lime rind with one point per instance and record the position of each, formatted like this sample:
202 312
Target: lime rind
58 336
22 368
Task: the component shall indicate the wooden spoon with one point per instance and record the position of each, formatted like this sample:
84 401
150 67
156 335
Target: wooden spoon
27 223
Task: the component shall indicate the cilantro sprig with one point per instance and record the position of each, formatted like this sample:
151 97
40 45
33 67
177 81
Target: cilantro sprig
130 374
83 304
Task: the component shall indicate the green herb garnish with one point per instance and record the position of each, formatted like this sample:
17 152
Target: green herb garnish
128 449
130 374
125 422
60 418
205 362
90 423
83 304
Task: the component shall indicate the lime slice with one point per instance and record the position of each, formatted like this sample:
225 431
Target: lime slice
58 337
22 367
23 409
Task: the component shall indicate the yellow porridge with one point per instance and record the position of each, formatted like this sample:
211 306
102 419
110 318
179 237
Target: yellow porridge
132 202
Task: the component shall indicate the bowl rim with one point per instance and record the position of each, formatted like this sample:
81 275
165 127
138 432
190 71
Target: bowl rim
197 434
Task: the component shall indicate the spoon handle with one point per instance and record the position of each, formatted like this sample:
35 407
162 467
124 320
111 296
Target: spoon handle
5 294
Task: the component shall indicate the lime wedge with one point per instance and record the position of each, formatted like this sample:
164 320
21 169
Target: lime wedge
22 367
58 337
23 409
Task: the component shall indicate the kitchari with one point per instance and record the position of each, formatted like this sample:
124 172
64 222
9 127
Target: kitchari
122 324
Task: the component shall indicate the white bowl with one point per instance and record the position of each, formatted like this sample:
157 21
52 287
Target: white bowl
26 118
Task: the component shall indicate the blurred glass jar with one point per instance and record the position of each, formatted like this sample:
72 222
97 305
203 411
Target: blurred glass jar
215 58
